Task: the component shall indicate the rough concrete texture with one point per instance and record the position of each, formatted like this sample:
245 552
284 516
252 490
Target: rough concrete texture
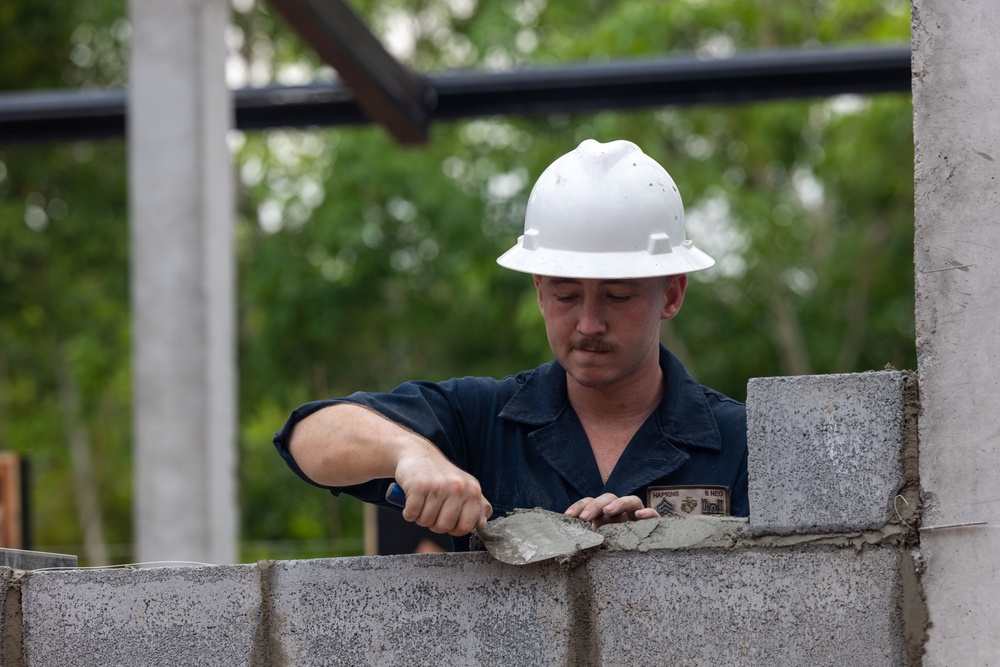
147 617
956 123
454 609
675 532
797 605
819 605
825 451
182 282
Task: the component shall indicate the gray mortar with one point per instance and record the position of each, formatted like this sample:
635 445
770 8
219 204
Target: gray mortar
11 625
908 503
909 513
584 649
916 619
531 536
675 532
679 532
267 647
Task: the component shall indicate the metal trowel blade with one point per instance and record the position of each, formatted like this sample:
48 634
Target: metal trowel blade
530 536
526 536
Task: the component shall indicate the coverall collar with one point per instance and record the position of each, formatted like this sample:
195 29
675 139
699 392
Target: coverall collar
683 419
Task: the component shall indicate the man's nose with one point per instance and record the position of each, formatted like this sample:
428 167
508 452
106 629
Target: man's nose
591 321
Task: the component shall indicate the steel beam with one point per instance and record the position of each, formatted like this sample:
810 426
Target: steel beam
384 89
576 88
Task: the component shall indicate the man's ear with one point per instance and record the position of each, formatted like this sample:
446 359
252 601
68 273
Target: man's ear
538 288
674 291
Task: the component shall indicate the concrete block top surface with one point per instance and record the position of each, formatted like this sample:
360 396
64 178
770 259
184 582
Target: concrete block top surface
826 452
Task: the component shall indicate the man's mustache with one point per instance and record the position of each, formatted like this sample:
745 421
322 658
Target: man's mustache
592 345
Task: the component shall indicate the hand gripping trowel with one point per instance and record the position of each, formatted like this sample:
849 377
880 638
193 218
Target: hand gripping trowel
527 536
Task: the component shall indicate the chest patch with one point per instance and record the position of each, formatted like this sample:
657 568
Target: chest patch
688 500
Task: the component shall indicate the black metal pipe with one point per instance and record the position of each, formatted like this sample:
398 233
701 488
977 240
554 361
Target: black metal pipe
85 114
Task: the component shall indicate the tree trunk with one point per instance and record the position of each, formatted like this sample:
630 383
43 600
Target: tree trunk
4 406
788 336
856 311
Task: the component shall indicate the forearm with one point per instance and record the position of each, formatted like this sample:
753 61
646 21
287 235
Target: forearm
346 444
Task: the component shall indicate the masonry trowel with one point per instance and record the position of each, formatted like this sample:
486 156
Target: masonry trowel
527 536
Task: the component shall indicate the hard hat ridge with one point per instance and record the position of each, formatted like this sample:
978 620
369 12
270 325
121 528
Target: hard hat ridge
605 210
603 157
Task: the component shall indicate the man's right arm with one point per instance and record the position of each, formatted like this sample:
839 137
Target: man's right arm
346 444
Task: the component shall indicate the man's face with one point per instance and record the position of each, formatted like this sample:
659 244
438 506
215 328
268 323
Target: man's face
605 332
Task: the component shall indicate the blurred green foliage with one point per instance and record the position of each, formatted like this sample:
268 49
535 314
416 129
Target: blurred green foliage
363 264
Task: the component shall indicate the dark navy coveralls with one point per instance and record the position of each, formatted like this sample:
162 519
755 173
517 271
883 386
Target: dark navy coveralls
521 439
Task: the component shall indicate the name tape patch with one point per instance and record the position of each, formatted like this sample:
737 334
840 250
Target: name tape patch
689 500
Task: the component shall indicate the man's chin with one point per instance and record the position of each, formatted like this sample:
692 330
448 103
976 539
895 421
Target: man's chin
590 377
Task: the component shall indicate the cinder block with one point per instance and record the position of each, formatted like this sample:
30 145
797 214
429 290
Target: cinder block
798 605
825 451
806 605
454 609
141 617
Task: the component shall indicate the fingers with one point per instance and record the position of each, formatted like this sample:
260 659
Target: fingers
609 508
451 504
485 512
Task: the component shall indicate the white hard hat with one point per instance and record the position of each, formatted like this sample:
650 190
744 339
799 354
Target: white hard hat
604 211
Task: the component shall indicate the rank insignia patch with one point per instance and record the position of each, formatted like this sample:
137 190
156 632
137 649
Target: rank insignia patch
700 500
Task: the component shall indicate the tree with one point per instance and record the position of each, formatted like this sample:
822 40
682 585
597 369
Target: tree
64 401
363 264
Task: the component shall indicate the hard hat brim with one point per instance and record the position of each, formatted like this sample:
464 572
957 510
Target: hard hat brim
605 265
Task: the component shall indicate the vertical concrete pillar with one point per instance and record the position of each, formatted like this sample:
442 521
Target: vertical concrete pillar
956 96
182 282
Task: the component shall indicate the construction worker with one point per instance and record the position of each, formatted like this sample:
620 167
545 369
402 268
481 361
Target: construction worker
613 429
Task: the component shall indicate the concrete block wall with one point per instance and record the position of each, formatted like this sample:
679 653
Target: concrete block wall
806 605
818 586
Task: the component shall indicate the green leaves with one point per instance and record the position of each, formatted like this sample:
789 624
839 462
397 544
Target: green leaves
363 264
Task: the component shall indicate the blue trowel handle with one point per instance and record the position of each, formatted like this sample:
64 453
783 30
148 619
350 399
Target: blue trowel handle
395 495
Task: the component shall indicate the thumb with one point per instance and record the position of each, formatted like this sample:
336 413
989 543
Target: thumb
485 514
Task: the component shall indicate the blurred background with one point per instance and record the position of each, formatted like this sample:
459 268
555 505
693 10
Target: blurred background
362 263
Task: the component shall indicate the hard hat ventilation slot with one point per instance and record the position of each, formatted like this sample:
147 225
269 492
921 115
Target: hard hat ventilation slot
659 244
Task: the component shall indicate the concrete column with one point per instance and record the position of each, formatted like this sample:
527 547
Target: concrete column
956 96
182 213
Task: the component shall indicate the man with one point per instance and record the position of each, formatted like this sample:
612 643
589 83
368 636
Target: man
613 430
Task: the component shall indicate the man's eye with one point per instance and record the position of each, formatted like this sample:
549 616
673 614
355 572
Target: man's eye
565 297
619 298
